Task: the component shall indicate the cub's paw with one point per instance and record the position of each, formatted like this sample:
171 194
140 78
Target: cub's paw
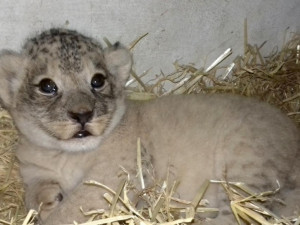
49 198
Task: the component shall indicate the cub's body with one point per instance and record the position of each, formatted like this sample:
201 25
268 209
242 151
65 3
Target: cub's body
185 138
66 96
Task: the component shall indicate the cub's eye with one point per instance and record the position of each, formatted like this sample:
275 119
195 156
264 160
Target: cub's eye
48 86
98 81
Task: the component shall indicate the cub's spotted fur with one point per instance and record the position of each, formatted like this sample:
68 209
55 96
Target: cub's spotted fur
66 96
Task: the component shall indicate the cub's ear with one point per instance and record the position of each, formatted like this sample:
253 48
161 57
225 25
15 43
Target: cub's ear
118 61
11 76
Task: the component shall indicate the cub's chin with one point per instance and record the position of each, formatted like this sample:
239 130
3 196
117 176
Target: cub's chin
82 140
80 144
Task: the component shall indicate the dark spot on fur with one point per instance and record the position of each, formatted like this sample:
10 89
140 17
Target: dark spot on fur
45 50
59 197
226 212
53 32
246 166
224 200
30 51
117 45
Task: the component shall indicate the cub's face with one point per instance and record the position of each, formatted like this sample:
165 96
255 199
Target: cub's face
63 91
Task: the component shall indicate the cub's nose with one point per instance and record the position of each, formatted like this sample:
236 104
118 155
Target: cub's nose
82 117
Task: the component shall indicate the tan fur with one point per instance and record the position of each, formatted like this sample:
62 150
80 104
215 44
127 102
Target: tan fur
193 137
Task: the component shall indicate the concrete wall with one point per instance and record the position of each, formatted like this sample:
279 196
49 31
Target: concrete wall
189 31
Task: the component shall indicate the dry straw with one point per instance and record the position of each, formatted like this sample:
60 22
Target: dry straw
274 79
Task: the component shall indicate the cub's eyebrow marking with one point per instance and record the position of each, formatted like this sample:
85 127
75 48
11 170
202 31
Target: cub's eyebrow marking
37 71
98 65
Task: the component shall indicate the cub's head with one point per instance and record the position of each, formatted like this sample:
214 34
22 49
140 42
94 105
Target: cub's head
63 90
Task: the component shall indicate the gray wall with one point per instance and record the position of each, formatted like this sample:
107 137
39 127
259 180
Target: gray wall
189 31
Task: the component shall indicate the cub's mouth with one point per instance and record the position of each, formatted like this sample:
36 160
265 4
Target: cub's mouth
82 134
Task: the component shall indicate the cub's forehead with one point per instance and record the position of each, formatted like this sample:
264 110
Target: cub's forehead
65 46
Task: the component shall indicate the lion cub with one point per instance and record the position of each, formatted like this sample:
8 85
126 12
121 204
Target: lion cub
66 96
